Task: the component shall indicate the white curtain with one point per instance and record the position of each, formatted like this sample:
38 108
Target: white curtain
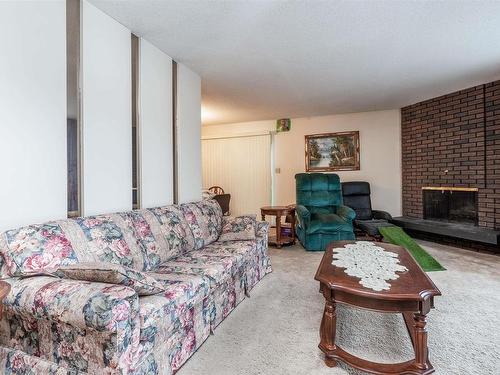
242 167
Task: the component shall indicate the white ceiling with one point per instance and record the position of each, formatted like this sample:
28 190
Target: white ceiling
264 60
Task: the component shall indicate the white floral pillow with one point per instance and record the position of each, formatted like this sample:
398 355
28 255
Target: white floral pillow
239 228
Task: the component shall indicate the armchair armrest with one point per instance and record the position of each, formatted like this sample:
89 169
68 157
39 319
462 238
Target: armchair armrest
303 215
81 304
346 213
381 215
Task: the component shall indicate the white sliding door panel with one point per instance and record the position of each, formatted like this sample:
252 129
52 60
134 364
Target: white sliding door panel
106 113
242 167
155 126
188 134
33 112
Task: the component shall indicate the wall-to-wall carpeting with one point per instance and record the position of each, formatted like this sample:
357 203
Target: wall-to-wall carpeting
275 332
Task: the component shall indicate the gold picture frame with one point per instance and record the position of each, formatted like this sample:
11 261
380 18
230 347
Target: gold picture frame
331 152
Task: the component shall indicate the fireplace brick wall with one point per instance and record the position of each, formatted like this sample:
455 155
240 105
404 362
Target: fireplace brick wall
454 140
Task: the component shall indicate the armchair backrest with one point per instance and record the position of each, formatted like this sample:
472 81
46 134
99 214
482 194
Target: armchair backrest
356 195
318 192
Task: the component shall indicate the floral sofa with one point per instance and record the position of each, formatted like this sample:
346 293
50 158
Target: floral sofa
102 328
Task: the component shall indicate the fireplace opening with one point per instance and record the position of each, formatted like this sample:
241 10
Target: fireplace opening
457 205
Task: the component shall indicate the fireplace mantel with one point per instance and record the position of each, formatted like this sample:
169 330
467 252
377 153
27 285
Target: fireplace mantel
449 188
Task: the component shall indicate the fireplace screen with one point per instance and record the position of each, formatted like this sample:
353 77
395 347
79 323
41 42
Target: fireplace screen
450 205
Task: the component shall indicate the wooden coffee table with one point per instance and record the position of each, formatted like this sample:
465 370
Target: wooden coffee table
279 211
412 294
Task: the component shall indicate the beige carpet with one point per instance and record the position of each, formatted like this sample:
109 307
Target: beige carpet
276 330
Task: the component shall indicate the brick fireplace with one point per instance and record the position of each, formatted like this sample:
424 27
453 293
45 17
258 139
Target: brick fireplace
454 141
450 204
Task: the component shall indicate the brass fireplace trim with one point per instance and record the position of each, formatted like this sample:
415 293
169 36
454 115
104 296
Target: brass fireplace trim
448 188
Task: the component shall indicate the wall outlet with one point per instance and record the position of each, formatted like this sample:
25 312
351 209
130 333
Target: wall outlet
277 170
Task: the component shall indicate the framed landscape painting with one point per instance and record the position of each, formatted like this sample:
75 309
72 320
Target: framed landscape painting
332 152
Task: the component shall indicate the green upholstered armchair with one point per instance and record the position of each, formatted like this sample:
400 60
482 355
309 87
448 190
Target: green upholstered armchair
322 217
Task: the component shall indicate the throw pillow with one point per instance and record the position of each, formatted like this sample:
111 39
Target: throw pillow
37 248
240 228
142 283
207 194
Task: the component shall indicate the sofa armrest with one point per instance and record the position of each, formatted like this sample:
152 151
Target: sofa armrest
262 259
261 228
346 213
381 215
303 215
81 304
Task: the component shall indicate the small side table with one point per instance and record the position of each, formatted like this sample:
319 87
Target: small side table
4 290
279 211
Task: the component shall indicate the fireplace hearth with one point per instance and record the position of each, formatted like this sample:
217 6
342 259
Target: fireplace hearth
450 212
449 204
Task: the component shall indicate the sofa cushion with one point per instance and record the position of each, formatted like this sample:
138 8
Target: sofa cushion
327 223
109 239
142 283
39 248
180 292
169 236
240 228
181 288
216 268
252 254
205 220
241 251
82 304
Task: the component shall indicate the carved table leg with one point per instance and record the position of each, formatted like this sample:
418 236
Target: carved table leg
421 351
328 330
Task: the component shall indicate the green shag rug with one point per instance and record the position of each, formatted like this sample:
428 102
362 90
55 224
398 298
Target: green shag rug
397 236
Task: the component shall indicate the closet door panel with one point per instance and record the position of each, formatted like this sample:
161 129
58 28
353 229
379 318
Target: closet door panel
106 113
155 126
32 112
188 134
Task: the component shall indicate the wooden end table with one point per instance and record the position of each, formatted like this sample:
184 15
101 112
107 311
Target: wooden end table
412 294
4 290
279 211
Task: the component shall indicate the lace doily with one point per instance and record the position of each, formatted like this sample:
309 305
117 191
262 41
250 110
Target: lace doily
371 263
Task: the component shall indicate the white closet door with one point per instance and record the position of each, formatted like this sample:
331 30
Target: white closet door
188 135
106 113
32 112
155 127
242 167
